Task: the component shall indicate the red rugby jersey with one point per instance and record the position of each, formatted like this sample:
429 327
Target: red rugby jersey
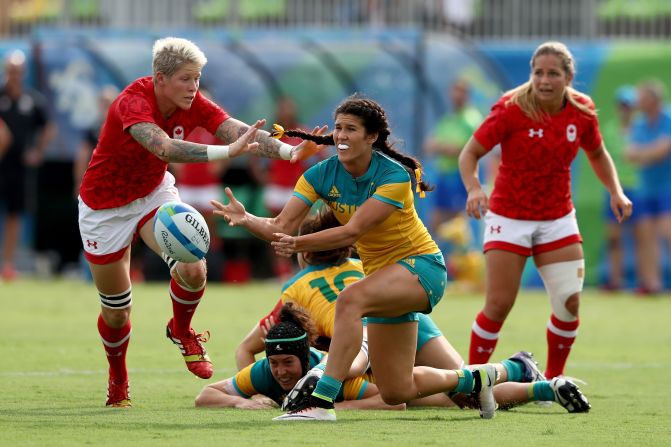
121 170
534 178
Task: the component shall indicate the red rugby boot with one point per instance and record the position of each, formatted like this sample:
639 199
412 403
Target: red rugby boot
118 395
195 356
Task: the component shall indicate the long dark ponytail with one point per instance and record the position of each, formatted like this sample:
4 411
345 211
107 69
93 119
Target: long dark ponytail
375 121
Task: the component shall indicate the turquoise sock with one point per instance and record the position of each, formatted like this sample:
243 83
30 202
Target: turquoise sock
514 369
543 391
321 366
465 384
327 388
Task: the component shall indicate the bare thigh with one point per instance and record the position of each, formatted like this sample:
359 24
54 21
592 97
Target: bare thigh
389 292
114 278
571 252
439 353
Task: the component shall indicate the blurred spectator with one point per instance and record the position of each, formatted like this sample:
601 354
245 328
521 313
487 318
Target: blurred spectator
650 149
615 135
25 113
442 149
199 183
282 175
244 257
105 98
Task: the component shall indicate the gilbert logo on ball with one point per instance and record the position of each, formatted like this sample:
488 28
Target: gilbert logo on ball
181 232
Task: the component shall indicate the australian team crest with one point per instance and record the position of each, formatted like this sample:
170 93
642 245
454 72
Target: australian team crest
178 133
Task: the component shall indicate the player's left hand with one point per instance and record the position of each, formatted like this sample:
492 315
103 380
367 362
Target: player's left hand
308 148
621 206
284 244
266 324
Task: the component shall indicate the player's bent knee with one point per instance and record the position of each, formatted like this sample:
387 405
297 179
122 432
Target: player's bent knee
394 396
115 318
498 309
348 306
564 282
191 276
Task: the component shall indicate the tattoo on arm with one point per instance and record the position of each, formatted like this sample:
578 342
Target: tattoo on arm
231 129
156 141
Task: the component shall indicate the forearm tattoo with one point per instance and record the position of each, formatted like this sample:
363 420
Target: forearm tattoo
231 129
156 141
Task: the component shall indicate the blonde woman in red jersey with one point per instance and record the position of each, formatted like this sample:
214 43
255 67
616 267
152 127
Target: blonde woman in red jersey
540 126
127 180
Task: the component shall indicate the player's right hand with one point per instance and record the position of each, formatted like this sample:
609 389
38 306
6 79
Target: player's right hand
308 148
477 203
234 212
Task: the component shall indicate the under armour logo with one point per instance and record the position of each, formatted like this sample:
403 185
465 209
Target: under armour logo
93 244
563 346
495 229
488 351
535 133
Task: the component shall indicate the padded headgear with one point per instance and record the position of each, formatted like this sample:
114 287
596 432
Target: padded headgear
288 338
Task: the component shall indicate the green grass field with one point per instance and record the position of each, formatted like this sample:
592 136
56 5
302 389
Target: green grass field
53 375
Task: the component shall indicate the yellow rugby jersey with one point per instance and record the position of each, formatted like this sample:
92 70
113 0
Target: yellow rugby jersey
316 287
258 379
401 235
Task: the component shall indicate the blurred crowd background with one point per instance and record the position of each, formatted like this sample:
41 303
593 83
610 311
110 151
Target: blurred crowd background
436 66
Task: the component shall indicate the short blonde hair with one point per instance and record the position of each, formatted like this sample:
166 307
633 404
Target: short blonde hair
171 53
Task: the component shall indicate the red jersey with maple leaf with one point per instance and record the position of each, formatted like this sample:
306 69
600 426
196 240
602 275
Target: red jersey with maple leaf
534 178
121 170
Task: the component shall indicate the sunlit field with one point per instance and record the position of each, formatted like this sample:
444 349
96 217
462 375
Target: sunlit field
53 375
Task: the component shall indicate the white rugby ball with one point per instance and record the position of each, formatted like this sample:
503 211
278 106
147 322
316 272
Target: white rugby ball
181 232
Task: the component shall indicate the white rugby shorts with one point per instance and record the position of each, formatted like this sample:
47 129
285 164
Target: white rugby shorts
107 233
529 237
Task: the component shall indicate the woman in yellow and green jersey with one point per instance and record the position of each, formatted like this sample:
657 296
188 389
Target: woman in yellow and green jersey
369 186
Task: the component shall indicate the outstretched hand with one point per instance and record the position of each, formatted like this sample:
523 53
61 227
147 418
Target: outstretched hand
284 244
234 212
308 148
242 145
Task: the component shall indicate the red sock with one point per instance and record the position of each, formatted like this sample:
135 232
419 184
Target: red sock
115 342
184 303
560 336
484 336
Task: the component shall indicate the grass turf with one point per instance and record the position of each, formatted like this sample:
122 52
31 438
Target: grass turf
53 375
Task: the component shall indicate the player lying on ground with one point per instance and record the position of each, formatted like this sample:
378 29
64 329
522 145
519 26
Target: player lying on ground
288 358
316 287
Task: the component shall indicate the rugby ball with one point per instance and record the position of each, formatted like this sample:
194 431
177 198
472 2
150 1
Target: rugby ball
181 232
